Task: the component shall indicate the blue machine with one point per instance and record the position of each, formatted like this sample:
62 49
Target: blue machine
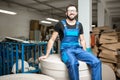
10 52
0 61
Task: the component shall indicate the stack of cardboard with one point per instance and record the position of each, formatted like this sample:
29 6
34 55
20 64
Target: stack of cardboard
109 52
109 37
109 41
34 26
36 30
97 30
107 44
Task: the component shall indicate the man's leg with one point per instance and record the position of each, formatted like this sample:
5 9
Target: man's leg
91 60
72 64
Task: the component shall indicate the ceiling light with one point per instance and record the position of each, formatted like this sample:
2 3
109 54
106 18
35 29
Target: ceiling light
46 22
51 19
7 12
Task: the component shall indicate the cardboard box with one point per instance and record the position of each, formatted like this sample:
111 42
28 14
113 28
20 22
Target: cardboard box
113 46
108 61
34 25
108 56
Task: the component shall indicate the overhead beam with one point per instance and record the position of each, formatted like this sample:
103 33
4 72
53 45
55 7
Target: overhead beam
31 8
48 1
49 5
63 8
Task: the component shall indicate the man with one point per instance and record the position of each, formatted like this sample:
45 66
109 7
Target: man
70 32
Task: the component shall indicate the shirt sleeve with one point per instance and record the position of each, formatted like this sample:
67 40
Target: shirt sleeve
81 28
57 27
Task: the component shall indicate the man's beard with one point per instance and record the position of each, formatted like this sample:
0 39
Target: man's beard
70 18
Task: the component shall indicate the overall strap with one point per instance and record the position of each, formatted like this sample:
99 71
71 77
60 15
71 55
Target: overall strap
64 23
77 24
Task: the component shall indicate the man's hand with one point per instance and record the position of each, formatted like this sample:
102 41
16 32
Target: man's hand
42 57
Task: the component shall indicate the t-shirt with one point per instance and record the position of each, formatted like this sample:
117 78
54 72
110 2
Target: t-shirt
59 27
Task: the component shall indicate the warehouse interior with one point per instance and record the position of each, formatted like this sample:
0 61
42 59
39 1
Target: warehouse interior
25 31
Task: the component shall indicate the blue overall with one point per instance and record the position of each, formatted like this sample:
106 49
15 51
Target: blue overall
71 52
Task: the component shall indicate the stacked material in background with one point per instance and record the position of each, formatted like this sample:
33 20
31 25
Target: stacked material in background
34 33
107 46
108 54
118 63
110 37
97 30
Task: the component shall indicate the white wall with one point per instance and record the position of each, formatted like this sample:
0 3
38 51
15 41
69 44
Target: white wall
17 25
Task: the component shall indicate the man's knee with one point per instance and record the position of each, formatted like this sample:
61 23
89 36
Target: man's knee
96 62
72 64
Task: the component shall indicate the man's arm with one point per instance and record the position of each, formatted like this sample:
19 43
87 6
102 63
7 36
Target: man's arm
50 44
82 41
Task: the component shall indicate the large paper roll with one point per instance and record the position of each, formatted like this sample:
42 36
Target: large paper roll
107 73
54 67
26 77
